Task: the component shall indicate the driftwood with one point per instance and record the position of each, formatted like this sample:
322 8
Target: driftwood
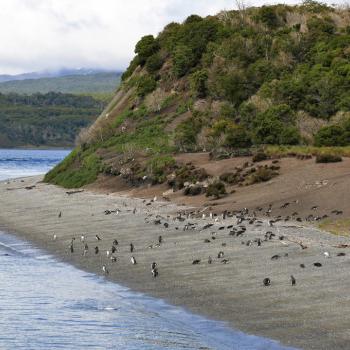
73 192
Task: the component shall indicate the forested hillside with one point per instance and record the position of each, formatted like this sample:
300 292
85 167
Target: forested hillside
240 80
51 119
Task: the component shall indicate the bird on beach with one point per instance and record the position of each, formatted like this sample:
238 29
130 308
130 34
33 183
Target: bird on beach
105 270
153 265
54 237
267 282
60 214
86 249
293 280
160 239
113 249
133 260
155 272
210 260
98 238
96 250
82 238
131 248
115 242
326 254
71 248
220 255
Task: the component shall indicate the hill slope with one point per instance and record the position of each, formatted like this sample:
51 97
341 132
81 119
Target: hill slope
274 75
77 83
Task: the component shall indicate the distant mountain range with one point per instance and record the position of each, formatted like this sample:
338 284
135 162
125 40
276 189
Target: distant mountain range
76 81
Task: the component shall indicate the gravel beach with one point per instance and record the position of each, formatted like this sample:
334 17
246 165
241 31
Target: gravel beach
313 314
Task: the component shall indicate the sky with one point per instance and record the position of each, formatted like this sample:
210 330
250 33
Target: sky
38 35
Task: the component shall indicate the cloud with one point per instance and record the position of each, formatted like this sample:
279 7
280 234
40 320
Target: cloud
51 34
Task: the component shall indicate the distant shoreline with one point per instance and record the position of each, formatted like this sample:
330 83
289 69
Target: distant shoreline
39 148
298 316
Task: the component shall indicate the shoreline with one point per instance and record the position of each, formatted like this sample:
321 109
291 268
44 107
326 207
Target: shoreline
311 315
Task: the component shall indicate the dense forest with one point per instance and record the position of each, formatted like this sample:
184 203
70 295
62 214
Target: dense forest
273 75
51 119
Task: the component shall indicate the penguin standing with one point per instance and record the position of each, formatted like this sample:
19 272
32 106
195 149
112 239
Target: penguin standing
86 248
96 250
105 270
293 280
133 260
98 238
60 214
160 239
131 248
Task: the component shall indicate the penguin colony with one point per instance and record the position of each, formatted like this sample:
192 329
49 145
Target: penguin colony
244 219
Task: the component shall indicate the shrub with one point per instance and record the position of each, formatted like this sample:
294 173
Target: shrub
216 189
154 63
290 136
333 135
145 85
230 178
259 157
193 190
328 158
183 60
159 166
199 83
238 137
146 47
262 174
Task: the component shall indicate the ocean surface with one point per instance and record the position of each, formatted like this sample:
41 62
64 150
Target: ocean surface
46 304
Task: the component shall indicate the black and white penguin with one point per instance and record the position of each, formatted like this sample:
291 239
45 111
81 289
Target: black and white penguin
293 280
133 260
115 242
160 239
98 238
105 270
155 272
220 255
86 249
266 282
131 247
113 249
153 265
60 214
96 250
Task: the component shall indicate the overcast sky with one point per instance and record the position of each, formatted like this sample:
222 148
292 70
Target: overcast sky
38 35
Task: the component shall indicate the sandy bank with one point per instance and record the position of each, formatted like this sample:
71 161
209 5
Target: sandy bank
314 314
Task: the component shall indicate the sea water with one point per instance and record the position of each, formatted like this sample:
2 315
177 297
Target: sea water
48 304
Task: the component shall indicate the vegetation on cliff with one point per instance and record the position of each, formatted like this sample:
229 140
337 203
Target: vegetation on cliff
273 75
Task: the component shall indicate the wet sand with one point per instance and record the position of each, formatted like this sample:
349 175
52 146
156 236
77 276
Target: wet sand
314 314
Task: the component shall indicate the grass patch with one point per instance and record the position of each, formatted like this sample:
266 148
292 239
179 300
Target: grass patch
337 227
302 150
79 168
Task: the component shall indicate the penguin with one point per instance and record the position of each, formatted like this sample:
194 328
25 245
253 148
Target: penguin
115 242
54 237
153 265
133 260
105 270
220 255
155 272
131 247
96 250
196 262
60 214
113 249
71 248
160 239
98 238
317 264
266 282
326 254
302 266
82 238
108 253
134 211
114 258
293 280
86 249
210 260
